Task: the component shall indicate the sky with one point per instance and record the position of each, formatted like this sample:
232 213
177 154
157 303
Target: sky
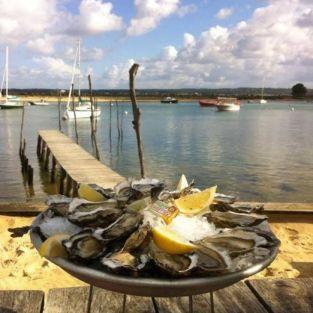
177 43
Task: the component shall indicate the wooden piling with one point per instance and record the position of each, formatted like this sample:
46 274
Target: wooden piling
47 158
30 174
74 110
52 172
68 185
136 113
62 177
38 145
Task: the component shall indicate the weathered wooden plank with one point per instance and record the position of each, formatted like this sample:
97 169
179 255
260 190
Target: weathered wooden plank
17 208
236 299
79 165
284 295
21 301
107 301
68 300
285 207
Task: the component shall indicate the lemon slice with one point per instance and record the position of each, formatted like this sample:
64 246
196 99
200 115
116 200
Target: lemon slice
196 202
88 193
52 247
170 242
182 184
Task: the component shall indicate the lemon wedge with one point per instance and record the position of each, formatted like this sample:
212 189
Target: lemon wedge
182 184
196 202
170 242
88 193
52 247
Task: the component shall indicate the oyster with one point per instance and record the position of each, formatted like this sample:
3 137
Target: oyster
107 193
174 264
232 219
147 187
59 204
138 239
83 245
122 227
225 199
125 193
211 259
233 241
238 208
94 214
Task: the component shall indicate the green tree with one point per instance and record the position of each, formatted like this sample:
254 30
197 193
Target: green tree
298 91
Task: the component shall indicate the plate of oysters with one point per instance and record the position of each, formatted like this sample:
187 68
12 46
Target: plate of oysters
144 239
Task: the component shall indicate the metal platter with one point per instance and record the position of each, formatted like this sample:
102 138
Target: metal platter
153 287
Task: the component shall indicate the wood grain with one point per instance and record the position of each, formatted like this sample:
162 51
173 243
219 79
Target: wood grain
21 301
285 295
68 300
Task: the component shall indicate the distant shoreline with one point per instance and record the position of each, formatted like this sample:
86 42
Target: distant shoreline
36 98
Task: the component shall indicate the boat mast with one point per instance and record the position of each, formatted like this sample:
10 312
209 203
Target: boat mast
262 91
78 66
72 81
6 72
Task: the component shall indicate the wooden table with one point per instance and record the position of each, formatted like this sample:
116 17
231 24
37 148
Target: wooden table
256 296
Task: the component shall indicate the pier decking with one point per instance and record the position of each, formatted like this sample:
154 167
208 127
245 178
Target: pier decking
76 164
259 296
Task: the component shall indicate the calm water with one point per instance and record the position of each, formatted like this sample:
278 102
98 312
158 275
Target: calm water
263 152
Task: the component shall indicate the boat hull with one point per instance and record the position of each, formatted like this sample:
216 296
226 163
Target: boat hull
228 107
169 101
208 102
11 105
80 114
263 101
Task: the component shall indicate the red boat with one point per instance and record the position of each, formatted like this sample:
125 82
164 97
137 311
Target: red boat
208 102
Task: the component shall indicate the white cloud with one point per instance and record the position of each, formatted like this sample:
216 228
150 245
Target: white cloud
149 14
95 17
186 9
280 50
224 13
25 20
86 55
44 45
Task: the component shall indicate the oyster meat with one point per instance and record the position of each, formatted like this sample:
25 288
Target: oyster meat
83 245
232 219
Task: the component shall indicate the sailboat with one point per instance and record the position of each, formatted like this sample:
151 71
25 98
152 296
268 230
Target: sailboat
84 107
8 102
263 101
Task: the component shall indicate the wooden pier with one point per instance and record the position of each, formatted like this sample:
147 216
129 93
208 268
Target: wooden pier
259 296
76 165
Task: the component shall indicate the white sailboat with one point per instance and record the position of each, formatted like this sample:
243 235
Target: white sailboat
84 108
7 101
228 104
263 101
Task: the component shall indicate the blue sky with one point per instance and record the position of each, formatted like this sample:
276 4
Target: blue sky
178 43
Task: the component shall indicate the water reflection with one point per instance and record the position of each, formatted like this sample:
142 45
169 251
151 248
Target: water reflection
260 153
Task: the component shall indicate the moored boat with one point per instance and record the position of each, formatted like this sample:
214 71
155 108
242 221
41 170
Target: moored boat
8 102
169 100
208 102
84 108
42 102
228 104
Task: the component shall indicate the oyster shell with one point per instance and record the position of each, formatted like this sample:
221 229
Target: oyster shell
211 259
83 245
176 265
122 227
125 193
225 199
94 214
232 219
139 239
59 204
238 208
233 241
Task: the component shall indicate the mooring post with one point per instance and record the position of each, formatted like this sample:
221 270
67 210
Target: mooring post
43 146
30 175
74 189
52 173
47 158
38 145
136 113
68 185
62 177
